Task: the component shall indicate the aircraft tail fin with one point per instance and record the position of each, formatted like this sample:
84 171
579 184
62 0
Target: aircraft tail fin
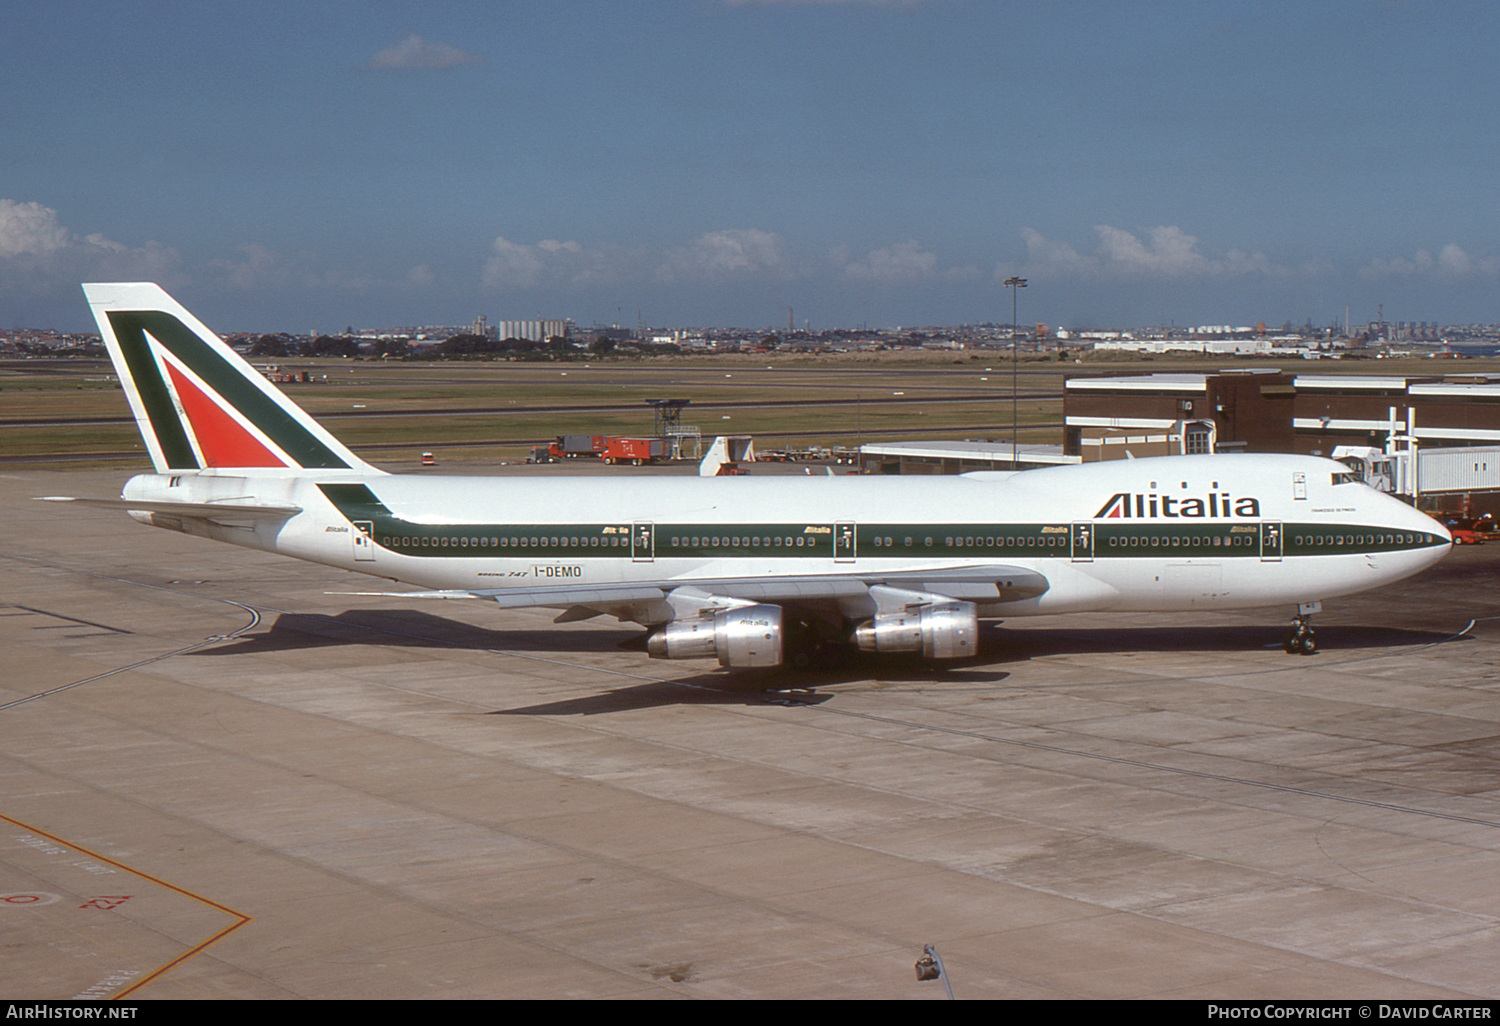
198 404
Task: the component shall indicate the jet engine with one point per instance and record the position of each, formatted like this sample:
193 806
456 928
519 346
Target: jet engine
948 630
743 637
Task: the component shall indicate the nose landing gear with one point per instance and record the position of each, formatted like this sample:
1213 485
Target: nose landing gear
1301 638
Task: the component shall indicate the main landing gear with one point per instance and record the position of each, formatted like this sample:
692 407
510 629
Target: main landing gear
1301 638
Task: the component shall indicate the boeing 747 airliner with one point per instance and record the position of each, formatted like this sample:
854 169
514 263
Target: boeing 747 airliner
752 571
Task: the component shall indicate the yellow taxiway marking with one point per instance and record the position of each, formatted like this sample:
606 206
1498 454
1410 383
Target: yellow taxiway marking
240 919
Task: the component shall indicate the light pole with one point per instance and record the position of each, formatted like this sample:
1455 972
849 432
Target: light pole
1014 284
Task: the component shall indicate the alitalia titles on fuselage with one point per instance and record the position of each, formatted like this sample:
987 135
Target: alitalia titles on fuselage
1152 505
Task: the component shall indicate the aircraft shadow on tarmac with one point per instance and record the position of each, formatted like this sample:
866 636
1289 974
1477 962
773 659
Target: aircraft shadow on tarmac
782 686
792 687
405 628
1018 645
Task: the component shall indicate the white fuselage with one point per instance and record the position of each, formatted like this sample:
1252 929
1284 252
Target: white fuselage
1173 533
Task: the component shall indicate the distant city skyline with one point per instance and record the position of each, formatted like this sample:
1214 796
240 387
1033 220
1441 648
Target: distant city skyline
282 166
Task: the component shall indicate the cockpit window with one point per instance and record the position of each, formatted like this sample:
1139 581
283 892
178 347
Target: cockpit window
1346 478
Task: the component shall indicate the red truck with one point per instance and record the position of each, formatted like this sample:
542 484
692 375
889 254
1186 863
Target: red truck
568 447
635 451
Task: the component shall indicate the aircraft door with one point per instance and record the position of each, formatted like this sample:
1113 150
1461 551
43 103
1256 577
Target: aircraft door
364 546
1083 542
642 542
1270 541
843 541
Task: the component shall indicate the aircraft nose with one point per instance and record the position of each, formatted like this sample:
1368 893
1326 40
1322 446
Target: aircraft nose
1432 526
1437 527
1421 524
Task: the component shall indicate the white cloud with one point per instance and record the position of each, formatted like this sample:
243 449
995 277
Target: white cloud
1172 252
1450 262
903 262
30 229
1166 252
257 268
257 264
416 53
1455 260
727 252
37 251
514 264
553 262
1044 254
732 252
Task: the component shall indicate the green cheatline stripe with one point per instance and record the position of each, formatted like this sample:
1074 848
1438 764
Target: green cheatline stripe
130 327
969 540
355 501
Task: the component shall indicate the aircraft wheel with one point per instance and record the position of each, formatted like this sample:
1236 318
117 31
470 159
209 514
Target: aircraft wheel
1292 644
1309 646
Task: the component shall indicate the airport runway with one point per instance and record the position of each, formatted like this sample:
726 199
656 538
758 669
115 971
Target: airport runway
220 781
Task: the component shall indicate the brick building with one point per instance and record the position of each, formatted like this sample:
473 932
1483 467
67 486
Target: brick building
1271 411
1177 414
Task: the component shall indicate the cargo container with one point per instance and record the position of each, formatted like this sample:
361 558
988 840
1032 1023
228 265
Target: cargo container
573 447
635 451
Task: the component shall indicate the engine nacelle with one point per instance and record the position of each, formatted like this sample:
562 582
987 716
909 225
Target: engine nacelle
749 636
949 630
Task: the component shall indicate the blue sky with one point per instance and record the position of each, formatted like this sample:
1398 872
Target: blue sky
294 166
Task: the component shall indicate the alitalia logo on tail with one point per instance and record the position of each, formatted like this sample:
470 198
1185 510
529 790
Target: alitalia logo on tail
199 405
1150 505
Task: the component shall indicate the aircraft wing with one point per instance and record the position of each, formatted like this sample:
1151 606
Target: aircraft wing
854 594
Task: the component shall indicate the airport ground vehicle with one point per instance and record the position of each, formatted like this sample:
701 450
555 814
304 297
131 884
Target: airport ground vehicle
567 447
635 451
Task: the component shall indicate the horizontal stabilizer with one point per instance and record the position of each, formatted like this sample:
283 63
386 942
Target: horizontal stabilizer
228 509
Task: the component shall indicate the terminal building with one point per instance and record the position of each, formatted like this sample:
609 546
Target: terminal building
1177 414
1458 410
1270 411
1257 411
1432 440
